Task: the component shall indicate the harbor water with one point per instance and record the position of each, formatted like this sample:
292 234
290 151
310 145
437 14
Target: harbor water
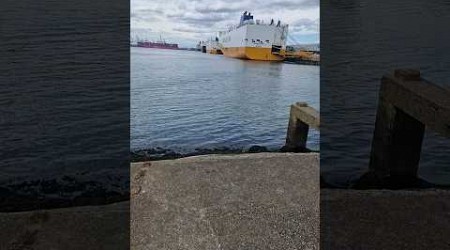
64 104
186 101
364 40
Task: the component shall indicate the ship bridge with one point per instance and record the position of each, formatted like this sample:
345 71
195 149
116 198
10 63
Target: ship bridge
246 16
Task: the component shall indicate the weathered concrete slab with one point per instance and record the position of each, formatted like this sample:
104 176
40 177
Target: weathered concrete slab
382 219
90 227
252 201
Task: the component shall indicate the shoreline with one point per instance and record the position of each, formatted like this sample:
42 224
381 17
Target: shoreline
41 194
158 153
301 62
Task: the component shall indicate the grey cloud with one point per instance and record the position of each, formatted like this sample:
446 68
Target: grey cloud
137 31
144 18
182 6
147 15
174 16
193 30
211 2
199 20
149 11
198 17
209 9
288 4
305 24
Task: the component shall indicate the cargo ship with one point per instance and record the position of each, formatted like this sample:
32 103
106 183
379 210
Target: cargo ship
213 46
255 40
161 44
202 46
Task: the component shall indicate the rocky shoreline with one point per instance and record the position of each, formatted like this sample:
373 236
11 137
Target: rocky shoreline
300 61
65 191
155 154
106 188
95 188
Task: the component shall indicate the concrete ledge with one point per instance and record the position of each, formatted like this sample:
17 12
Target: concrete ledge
423 100
90 227
383 219
252 201
306 114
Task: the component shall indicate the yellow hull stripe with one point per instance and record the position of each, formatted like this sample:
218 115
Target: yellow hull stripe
251 53
214 51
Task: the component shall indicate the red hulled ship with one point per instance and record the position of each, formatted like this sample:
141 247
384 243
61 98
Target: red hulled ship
161 44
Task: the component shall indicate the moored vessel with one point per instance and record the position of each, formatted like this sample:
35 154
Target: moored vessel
213 46
255 40
161 44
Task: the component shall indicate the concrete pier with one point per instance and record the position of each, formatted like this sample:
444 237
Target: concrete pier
407 105
250 201
301 118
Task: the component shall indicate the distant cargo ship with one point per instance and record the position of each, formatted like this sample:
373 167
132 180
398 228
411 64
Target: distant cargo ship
201 46
161 44
255 40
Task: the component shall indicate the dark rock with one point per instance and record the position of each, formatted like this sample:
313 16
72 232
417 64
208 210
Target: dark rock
257 149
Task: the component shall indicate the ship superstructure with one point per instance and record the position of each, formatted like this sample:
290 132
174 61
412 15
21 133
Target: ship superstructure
213 46
255 40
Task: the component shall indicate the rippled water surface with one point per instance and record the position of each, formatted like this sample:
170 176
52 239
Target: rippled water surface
362 40
64 102
184 100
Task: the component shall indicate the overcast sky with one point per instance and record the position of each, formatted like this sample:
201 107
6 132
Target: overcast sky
188 21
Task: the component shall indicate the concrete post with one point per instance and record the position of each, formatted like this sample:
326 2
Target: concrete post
297 133
396 144
300 119
407 103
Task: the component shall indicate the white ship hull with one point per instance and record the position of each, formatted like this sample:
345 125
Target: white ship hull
255 41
